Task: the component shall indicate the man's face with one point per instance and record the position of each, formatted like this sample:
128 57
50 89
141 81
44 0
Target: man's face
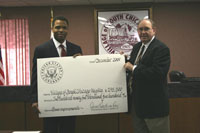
145 31
60 30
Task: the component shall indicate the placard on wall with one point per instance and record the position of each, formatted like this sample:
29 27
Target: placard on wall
117 30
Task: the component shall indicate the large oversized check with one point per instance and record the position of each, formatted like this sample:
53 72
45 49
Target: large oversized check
83 85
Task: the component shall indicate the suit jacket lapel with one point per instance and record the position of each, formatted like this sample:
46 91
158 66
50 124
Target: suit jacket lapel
135 52
52 49
149 49
70 49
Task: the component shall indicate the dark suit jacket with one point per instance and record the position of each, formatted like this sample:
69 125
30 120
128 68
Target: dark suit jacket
150 95
46 50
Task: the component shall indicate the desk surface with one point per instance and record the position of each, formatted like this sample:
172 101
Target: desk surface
14 93
176 90
184 90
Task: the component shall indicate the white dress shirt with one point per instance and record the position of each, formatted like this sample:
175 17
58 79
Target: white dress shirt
146 46
57 44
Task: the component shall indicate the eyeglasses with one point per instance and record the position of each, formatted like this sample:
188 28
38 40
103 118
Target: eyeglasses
144 29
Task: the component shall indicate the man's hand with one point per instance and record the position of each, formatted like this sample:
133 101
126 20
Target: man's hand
128 66
126 56
35 108
78 54
121 52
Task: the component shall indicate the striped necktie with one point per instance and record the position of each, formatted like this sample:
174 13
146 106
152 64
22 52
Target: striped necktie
139 56
137 61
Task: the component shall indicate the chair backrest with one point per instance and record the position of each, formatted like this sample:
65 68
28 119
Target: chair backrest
176 76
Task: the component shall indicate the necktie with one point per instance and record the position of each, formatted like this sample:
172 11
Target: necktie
139 56
63 52
137 61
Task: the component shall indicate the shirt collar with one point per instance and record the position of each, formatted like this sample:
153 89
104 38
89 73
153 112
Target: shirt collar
57 44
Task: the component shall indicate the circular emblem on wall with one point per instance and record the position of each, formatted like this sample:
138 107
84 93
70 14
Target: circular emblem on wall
119 33
51 72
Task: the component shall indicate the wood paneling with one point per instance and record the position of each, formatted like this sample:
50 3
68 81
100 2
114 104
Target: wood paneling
185 115
184 118
12 116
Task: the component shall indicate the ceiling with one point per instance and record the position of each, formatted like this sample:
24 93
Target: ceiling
19 3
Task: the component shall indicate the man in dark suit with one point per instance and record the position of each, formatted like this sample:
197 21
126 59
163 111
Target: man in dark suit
56 47
148 66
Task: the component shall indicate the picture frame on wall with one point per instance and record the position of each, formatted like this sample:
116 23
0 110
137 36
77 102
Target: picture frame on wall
117 29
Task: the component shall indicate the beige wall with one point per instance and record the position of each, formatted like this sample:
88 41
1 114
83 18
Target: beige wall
178 28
